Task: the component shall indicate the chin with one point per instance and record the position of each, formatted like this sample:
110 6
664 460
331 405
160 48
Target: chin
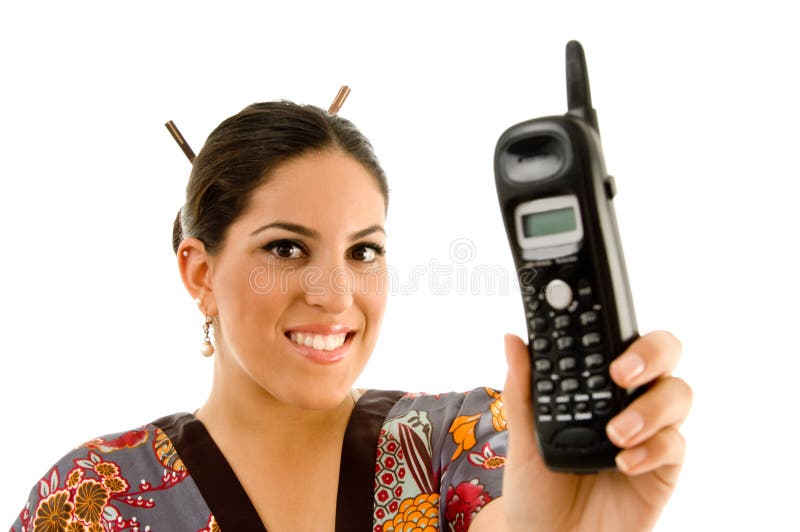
320 397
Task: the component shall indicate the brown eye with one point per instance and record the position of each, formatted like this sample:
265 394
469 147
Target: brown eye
367 252
285 249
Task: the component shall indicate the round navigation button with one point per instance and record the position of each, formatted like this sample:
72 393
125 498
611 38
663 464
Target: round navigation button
558 294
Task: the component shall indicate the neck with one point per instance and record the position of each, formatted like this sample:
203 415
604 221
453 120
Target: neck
240 410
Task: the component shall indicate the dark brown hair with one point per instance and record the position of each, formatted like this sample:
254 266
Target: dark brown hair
240 153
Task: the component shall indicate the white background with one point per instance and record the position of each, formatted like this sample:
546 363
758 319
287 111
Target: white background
697 107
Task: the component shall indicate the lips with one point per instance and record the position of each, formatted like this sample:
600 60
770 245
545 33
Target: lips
320 328
320 343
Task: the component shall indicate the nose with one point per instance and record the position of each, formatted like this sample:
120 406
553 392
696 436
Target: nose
329 289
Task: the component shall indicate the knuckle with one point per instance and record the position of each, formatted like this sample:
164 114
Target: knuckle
684 389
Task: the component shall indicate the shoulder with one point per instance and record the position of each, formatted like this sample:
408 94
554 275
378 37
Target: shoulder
441 455
451 405
110 479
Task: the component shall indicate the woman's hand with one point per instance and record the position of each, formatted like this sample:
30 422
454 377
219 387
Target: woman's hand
630 498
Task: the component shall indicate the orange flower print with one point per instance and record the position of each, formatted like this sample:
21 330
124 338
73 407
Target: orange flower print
106 469
115 484
53 512
90 499
418 514
75 526
96 527
74 477
211 526
166 453
486 458
498 410
463 431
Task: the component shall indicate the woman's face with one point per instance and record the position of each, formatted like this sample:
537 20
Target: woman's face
300 286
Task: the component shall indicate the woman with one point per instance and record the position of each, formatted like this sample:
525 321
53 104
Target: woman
281 243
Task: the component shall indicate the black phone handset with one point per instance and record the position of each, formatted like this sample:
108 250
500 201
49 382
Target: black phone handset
556 202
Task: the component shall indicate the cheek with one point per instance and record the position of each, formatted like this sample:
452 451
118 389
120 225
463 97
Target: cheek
251 298
372 297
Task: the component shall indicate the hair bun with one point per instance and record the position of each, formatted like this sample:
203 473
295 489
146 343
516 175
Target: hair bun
177 232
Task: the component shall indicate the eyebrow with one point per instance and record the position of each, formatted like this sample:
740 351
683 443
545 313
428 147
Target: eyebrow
311 233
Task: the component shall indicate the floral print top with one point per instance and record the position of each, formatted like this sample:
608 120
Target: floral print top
409 462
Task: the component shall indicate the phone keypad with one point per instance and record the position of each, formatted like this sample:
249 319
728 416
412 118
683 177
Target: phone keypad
570 368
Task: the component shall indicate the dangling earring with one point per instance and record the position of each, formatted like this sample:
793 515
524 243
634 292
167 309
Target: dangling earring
207 349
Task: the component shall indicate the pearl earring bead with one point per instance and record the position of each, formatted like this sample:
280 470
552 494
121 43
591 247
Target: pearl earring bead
207 349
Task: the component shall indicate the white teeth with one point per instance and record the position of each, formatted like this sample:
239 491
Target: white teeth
330 343
320 342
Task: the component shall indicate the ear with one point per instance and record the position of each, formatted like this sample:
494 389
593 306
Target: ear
195 266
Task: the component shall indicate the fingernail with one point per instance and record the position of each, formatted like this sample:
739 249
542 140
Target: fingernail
629 459
625 426
629 366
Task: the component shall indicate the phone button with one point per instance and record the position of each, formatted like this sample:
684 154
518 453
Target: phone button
565 343
561 322
544 386
542 365
569 385
588 318
538 324
568 364
575 437
591 339
595 382
541 345
610 186
558 294
601 407
595 360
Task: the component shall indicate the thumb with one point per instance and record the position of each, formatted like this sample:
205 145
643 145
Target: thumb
517 399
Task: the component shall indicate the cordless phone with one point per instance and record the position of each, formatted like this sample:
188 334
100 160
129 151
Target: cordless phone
556 201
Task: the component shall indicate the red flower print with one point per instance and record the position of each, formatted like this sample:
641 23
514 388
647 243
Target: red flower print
462 504
486 459
129 440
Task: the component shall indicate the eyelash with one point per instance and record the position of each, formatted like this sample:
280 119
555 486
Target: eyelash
377 248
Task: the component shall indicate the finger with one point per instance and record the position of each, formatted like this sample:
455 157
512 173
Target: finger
666 403
517 397
650 356
667 447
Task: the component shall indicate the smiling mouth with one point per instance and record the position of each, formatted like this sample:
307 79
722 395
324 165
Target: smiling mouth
320 342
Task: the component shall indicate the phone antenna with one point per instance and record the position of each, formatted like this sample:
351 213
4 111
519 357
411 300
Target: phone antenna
579 95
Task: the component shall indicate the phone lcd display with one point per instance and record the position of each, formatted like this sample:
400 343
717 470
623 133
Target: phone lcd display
549 222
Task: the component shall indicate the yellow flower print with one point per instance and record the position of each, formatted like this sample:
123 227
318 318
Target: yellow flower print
418 514
498 410
96 527
213 526
90 499
115 484
463 431
106 469
53 512
75 526
74 477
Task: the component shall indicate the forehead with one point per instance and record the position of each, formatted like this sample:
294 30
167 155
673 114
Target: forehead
323 189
